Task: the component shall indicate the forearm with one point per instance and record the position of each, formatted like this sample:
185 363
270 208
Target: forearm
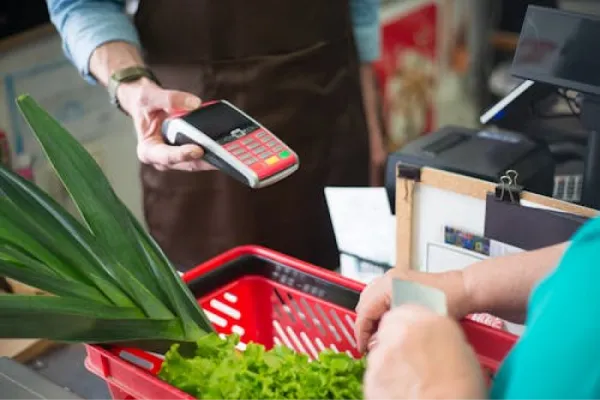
369 92
98 28
502 286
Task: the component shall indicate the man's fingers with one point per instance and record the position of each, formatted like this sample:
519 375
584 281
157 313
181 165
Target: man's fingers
162 154
192 166
174 100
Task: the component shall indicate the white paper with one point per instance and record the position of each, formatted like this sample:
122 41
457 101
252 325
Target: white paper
359 270
362 222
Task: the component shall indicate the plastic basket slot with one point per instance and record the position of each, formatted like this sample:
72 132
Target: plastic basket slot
297 344
215 319
299 312
299 318
139 361
225 309
280 307
328 323
317 324
281 335
320 344
238 330
351 321
241 346
343 328
312 351
230 297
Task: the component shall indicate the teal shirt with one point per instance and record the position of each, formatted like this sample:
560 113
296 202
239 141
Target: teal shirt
558 356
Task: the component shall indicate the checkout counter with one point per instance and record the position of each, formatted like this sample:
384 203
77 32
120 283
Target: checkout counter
485 153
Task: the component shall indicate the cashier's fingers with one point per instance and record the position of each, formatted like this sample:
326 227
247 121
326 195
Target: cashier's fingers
154 151
373 303
192 166
156 98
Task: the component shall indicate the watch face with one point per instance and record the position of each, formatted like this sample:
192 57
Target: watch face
220 122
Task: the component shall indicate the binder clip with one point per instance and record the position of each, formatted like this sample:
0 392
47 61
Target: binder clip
508 189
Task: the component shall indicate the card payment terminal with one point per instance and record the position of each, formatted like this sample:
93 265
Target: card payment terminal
233 142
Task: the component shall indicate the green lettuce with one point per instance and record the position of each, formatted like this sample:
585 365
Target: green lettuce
219 371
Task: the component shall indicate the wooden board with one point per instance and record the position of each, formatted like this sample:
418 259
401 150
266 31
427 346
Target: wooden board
24 350
459 198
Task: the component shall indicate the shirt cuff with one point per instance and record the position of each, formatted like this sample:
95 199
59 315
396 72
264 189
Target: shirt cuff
368 41
89 31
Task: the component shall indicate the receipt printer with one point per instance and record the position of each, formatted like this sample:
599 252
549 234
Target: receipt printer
482 154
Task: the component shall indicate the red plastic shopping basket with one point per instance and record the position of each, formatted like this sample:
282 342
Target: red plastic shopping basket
267 298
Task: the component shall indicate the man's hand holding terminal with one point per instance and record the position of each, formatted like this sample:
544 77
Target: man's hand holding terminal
148 105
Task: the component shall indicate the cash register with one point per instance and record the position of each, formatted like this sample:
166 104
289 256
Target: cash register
546 62
480 153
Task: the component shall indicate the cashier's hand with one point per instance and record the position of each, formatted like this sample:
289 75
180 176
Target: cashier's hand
148 105
375 299
422 355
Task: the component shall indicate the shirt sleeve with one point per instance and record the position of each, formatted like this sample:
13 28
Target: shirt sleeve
557 356
84 25
366 21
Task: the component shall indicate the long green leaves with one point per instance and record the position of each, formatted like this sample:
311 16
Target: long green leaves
107 218
109 280
73 320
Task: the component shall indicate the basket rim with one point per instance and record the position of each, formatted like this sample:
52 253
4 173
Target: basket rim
275 256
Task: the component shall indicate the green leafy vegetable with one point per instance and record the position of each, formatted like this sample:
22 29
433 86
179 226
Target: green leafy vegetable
108 279
219 371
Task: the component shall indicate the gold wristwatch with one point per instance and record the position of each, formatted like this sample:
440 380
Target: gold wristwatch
129 74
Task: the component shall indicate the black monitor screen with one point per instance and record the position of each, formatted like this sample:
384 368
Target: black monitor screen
559 48
218 120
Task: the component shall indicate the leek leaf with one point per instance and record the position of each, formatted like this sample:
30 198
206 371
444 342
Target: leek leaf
103 212
106 216
74 320
16 265
17 229
13 232
49 283
67 233
100 207
174 283
108 280
73 237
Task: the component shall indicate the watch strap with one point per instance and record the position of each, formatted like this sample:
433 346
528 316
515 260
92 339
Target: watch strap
128 74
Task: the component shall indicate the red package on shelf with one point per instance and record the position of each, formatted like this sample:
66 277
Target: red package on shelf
5 157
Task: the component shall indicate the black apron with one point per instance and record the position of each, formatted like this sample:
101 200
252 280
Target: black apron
293 66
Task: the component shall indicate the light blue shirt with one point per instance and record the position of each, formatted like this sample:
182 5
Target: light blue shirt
85 25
